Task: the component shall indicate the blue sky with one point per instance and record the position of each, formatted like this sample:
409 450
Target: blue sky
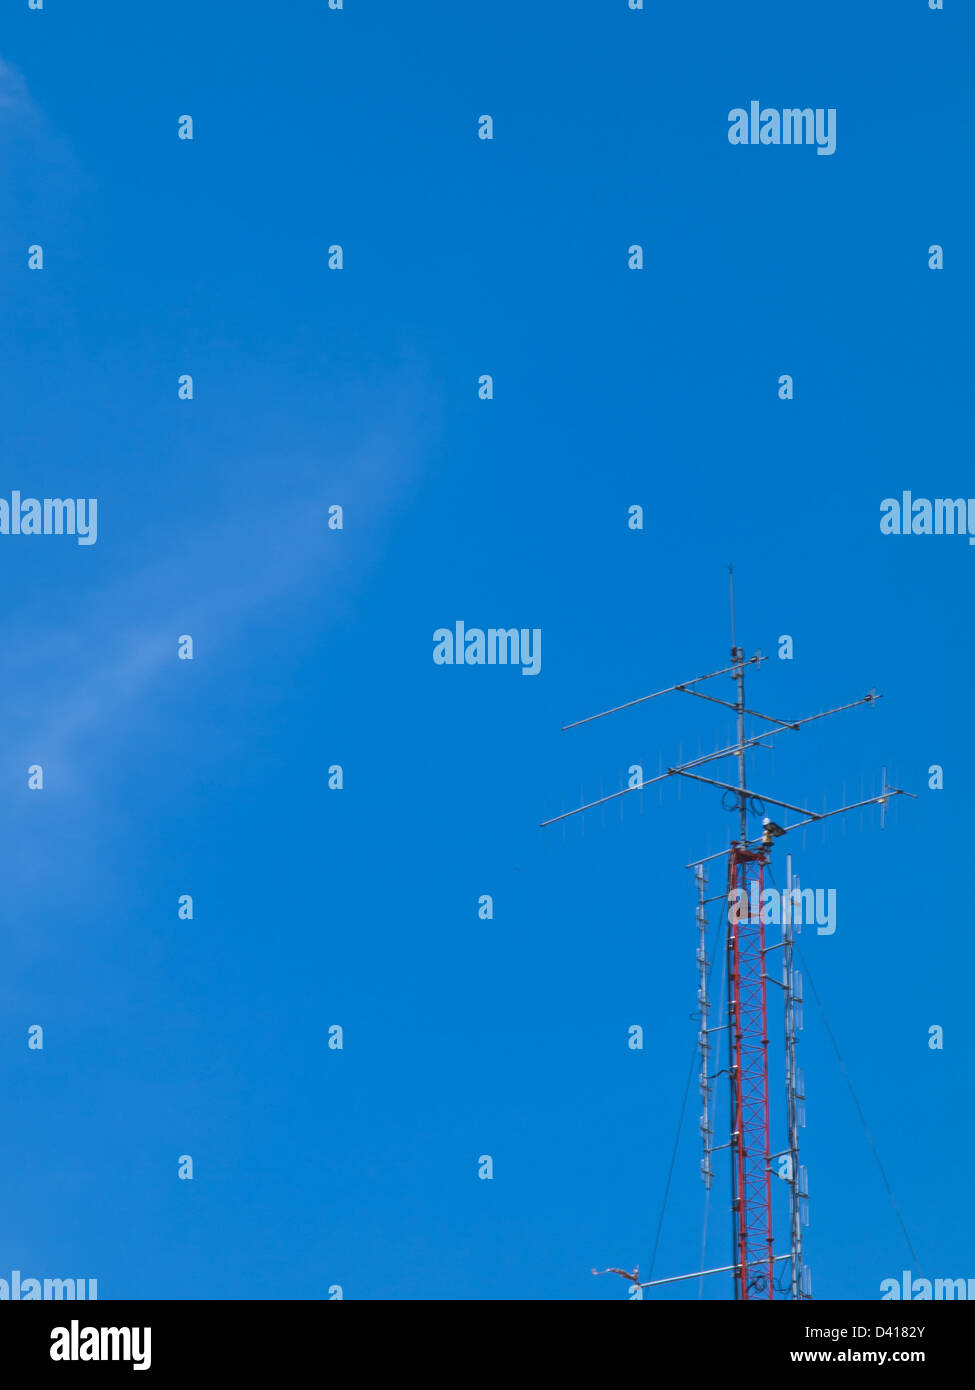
315 1168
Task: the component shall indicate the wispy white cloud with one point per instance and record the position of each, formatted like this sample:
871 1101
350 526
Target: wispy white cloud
66 688
14 96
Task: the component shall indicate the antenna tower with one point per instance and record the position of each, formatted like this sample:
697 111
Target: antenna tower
743 1039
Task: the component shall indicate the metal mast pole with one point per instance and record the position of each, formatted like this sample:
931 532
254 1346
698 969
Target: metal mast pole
733 1023
738 657
748 1074
751 1190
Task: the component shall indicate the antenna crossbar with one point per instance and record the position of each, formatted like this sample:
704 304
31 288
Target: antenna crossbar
743 791
641 699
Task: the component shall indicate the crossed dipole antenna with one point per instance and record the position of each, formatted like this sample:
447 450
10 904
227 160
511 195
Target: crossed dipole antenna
746 1032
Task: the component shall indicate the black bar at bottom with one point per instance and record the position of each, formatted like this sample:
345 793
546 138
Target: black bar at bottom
174 1340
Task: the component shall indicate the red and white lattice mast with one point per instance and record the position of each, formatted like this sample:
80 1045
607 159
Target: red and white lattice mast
744 1038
